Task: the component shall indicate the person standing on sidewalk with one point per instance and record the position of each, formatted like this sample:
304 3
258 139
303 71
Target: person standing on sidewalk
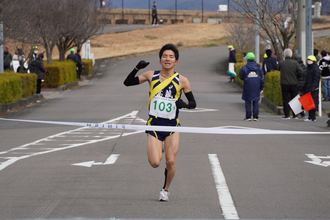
166 86
301 79
79 65
154 14
232 61
312 85
40 71
324 66
7 59
253 78
290 71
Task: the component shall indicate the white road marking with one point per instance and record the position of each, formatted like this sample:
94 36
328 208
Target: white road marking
225 199
316 160
111 160
66 140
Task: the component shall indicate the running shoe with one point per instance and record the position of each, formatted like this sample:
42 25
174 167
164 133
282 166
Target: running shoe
163 195
255 119
247 119
308 120
286 118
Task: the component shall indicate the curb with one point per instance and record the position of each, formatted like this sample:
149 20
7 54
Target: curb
20 103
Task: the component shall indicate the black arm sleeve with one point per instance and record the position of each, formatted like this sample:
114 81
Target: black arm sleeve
131 79
191 100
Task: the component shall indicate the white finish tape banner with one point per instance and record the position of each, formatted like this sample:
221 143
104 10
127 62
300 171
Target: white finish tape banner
198 130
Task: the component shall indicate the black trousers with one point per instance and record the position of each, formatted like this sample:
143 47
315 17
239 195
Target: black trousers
154 17
288 93
38 86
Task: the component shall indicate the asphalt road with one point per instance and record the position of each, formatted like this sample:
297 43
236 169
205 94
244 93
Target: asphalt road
66 172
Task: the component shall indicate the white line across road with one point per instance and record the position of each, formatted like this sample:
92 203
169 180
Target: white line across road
196 130
225 199
69 139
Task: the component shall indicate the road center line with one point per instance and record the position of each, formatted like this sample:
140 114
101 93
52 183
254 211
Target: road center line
225 199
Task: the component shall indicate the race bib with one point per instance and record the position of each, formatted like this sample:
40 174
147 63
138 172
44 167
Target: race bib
162 107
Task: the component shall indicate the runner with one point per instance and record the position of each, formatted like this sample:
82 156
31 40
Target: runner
164 104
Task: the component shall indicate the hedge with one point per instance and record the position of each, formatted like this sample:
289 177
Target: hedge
15 86
59 73
88 67
272 88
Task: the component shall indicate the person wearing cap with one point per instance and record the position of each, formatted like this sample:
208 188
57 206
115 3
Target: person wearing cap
72 56
79 64
324 65
253 78
270 63
232 62
290 71
312 85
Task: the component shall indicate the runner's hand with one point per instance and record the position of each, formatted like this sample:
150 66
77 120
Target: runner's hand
142 64
180 104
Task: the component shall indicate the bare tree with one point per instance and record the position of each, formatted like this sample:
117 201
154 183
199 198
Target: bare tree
276 19
81 22
11 16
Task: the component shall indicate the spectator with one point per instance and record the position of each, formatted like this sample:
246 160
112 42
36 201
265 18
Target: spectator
40 70
7 59
324 65
79 65
232 62
316 54
244 58
253 78
301 79
290 71
270 63
32 59
154 14
312 85
72 56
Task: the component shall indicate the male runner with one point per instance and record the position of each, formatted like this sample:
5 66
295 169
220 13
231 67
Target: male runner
164 104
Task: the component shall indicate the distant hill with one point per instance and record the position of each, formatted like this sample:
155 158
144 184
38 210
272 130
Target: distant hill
209 5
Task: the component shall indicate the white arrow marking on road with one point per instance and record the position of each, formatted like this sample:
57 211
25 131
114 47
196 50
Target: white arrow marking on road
316 160
111 160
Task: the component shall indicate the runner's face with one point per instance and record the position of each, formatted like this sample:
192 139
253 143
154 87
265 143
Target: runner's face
168 60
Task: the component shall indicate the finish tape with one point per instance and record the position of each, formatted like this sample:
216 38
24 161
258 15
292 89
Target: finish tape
197 130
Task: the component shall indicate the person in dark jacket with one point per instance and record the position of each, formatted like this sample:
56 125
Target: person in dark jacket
71 56
79 64
32 59
232 61
253 78
39 70
324 66
290 71
301 79
154 14
270 63
312 85
7 59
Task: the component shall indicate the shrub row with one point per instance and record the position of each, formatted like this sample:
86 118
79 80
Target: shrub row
272 88
15 86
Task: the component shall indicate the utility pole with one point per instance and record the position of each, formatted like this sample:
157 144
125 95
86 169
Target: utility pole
1 47
257 50
122 11
149 12
176 12
309 34
202 11
301 30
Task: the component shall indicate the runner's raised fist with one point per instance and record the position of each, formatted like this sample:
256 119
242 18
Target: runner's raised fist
142 64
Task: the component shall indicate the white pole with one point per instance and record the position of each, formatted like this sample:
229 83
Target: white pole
257 36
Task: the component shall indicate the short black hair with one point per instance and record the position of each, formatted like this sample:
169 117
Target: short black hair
169 47
323 53
269 53
316 51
